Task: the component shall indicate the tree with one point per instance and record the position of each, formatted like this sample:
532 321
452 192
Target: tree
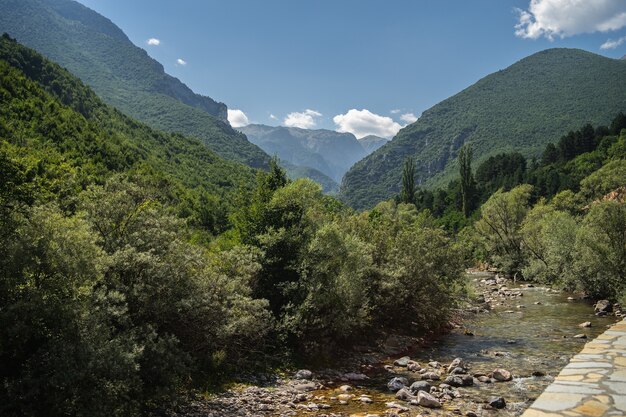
468 185
600 250
407 195
500 223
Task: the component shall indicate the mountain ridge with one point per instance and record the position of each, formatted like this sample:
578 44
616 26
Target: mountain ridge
327 151
123 74
521 108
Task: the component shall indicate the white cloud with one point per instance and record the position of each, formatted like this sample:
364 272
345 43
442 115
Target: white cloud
562 18
395 111
612 44
303 120
153 42
181 61
363 122
273 117
237 118
408 118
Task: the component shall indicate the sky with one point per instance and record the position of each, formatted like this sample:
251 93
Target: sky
359 66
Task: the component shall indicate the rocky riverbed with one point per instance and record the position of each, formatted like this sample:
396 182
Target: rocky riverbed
511 343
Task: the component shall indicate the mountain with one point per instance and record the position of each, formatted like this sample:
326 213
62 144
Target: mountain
521 108
294 172
50 122
122 74
371 143
327 151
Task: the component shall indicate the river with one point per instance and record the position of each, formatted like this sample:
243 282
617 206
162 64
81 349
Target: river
527 334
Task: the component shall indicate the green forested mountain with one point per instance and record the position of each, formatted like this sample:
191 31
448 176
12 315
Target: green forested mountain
123 75
521 108
114 303
53 123
329 152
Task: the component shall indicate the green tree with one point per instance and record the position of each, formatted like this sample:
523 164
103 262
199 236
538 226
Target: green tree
468 185
500 223
600 250
407 195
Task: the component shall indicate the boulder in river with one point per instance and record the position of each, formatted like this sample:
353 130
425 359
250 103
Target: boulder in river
426 400
397 383
430 376
580 336
603 307
585 324
501 375
457 363
497 402
404 394
353 376
420 386
403 361
304 374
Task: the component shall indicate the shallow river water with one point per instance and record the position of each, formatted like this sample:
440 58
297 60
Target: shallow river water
525 335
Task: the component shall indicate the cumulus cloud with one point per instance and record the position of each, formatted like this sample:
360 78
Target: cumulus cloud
153 42
408 118
273 117
237 118
303 120
612 44
181 61
395 111
363 122
562 18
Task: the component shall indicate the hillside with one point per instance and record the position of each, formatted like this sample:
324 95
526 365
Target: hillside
122 74
329 152
521 108
50 121
371 143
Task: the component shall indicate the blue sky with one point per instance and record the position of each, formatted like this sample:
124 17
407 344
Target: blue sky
308 63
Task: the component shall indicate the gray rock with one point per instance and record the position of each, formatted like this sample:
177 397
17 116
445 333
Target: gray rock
426 400
457 363
345 388
304 374
454 381
603 306
502 375
497 402
404 394
460 380
403 361
420 386
457 371
431 376
585 324
580 336
397 383
353 376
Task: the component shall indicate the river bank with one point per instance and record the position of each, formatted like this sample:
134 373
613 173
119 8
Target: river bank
511 344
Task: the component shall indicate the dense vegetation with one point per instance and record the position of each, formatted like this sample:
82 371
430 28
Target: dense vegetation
130 269
123 75
519 109
560 220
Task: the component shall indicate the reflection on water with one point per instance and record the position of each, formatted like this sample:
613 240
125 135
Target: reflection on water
532 334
